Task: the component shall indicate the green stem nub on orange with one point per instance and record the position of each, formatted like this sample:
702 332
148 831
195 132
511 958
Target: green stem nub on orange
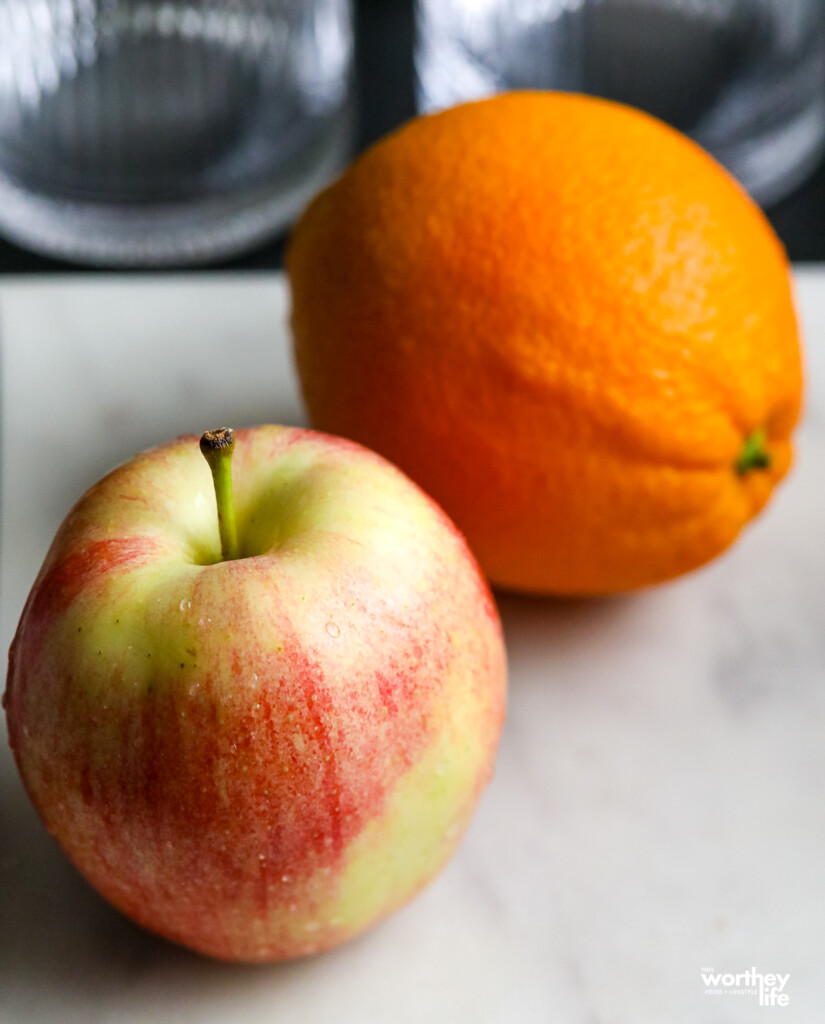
754 454
217 447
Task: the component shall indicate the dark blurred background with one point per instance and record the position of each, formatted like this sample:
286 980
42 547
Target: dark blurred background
384 61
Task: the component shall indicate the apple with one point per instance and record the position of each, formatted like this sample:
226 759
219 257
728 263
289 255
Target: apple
258 737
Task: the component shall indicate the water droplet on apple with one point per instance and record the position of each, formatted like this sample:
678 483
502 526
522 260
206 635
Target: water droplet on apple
333 630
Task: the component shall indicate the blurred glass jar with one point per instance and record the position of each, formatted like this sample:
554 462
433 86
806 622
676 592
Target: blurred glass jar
745 78
156 132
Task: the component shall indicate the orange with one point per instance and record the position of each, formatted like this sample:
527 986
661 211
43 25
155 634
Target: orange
567 323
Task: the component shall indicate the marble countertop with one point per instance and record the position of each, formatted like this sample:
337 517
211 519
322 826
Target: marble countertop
658 809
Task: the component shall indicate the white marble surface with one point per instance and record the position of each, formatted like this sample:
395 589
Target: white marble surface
659 804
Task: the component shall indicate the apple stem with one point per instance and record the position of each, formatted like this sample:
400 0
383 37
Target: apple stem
217 447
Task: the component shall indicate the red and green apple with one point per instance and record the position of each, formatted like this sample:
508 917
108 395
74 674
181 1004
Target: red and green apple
258 737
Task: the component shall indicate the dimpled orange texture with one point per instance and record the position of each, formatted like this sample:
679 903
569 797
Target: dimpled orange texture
565 321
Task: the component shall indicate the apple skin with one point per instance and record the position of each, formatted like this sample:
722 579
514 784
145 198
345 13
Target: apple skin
257 758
